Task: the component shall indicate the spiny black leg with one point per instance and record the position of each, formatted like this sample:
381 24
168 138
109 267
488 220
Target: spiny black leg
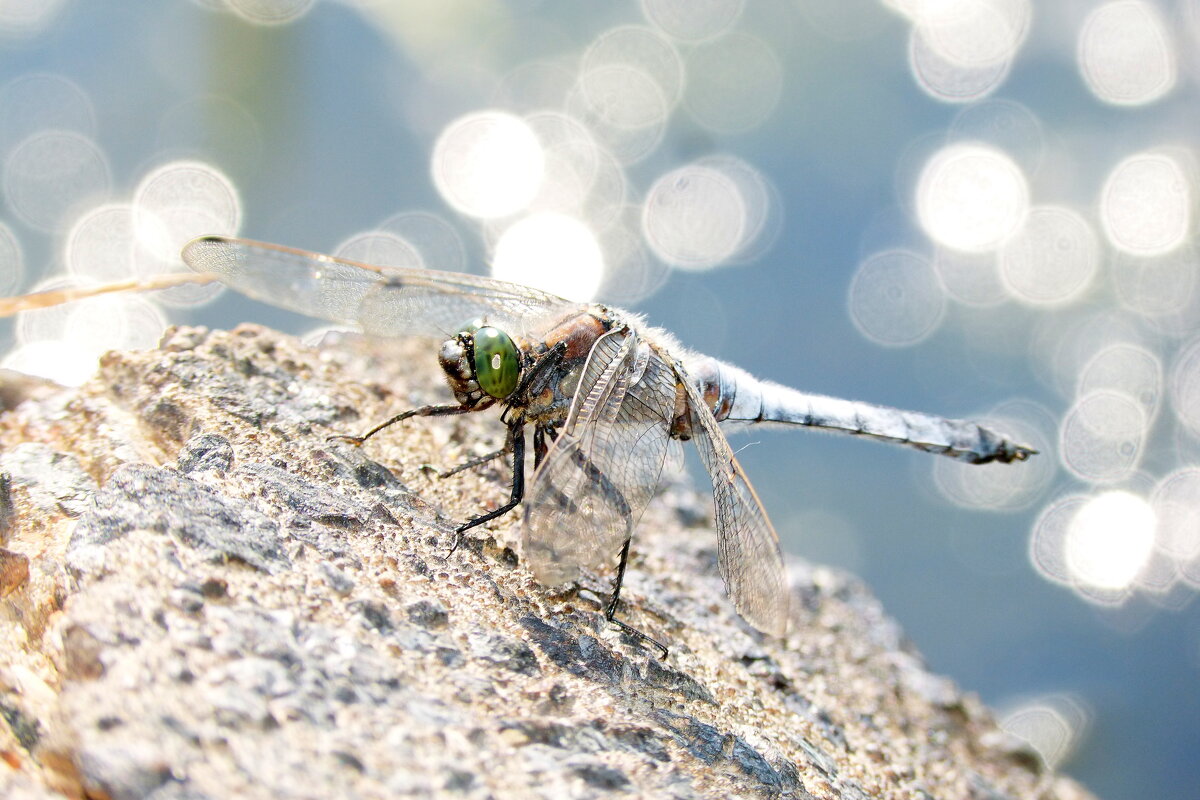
516 442
474 462
423 411
610 613
621 507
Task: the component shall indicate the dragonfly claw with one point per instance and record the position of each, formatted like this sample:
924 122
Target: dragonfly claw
340 437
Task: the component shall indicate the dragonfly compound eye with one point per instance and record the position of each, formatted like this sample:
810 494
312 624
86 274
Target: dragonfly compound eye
497 362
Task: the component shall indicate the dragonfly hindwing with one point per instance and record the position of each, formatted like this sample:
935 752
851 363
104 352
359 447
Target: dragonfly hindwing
748 552
602 470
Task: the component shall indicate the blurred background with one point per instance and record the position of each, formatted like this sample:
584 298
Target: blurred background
977 208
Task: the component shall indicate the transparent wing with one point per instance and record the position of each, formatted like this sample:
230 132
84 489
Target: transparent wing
601 472
386 301
747 546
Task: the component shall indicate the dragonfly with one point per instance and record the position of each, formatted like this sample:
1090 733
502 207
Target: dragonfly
605 398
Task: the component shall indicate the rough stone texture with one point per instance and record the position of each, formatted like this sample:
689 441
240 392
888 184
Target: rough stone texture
219 602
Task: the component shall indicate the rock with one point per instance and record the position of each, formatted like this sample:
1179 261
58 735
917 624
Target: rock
53 479
220 602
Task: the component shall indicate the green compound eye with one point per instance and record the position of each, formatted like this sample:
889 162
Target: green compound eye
497 363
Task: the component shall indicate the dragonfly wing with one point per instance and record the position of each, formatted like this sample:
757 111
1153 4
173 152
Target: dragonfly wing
386 301
747 546
595 482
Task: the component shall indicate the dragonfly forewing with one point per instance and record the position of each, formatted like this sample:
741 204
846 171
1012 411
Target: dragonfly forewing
748 554
385 301
601 472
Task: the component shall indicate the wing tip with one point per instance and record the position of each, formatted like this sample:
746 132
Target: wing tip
191 252
777 622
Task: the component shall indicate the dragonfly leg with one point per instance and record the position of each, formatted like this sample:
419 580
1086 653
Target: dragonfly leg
540 447
474 462
516 443
535 377
423 411
610 613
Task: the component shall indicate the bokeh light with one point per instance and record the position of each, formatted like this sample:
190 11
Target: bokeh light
896 298
1176 504
534 86
1129 369
625 106
1102 436
57 360
488 164
1162 289
1185 386
552 252
648 51
1006 125
12 262
64 342
43 323
380 249
27 17
949 81
438 243
1052 259
1062 344
631 273
972 33
52 174
630 80
762 208
1125 53
972 279
102 244
1109 540
173 204
179 201
1146 204
580 177
1052 725
692 20
961 50
269 12
1047 542
971 198
42 101
694 217
998 487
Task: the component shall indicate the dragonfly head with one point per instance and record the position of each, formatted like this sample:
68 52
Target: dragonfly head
482 364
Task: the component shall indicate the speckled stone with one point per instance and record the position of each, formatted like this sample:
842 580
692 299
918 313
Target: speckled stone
222 602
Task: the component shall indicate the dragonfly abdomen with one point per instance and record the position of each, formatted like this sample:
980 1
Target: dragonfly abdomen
738 398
